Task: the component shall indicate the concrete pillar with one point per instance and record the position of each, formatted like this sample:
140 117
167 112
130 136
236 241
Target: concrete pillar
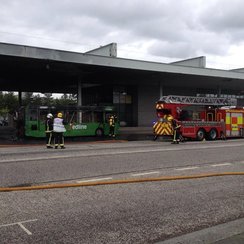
160 89
79 100
79 93
20 98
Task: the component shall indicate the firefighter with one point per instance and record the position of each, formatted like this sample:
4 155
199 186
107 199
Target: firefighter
111 121
59 129
49 130
176 127
167 116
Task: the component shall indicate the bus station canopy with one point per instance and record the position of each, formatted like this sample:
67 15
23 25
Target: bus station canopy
34 69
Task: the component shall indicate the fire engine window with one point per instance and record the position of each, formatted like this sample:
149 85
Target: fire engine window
210 116
191 113
196 116
185 115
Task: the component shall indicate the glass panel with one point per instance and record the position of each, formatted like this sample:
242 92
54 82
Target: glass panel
98 117
43 114
33 114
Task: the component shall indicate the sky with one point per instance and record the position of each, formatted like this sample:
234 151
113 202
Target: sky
153 30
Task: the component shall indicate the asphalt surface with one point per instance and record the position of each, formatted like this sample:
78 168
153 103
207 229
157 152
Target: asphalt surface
177 212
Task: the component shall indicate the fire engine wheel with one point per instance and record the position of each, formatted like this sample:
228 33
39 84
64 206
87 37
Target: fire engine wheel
200 135
212 135
99 132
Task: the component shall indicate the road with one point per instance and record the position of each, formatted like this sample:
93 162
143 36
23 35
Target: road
146 212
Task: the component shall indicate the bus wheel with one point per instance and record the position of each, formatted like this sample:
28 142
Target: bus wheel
200 135
212 135
99 132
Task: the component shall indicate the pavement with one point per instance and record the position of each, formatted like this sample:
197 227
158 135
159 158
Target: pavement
228 233
125 133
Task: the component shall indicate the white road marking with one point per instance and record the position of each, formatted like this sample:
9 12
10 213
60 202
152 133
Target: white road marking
187 168
146 173
98 179
96 154
219 165
20 224
24 229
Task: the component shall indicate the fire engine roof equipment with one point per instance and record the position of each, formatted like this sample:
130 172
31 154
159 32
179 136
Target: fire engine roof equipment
213 101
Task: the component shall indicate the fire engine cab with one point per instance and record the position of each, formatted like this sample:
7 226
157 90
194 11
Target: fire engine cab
200 117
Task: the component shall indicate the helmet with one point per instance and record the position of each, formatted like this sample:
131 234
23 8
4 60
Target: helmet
60 115
49 116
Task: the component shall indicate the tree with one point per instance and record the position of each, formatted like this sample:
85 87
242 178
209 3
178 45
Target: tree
66 99
4 113
8 101
27 98
47 99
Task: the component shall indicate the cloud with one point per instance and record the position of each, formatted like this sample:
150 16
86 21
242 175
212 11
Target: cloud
224 16
161 28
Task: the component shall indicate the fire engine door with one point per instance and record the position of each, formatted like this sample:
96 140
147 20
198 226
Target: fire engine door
234 122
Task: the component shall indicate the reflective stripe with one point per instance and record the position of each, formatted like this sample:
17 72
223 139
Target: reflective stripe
58 125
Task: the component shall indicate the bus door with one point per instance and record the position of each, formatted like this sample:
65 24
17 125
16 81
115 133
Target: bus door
32 122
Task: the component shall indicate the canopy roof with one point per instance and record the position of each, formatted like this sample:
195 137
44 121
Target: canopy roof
25 68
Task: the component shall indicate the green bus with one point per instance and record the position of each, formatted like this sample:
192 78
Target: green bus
81 120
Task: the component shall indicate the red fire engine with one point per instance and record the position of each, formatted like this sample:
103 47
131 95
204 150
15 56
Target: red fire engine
200 117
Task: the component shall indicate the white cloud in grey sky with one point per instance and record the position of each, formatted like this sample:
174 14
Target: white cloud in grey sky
158 30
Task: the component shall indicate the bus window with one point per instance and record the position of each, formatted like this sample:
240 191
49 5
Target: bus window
86 116
33 115
73 117
98 116
107 116
70 116
43 114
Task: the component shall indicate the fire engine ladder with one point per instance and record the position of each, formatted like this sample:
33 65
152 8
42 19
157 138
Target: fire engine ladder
212 101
